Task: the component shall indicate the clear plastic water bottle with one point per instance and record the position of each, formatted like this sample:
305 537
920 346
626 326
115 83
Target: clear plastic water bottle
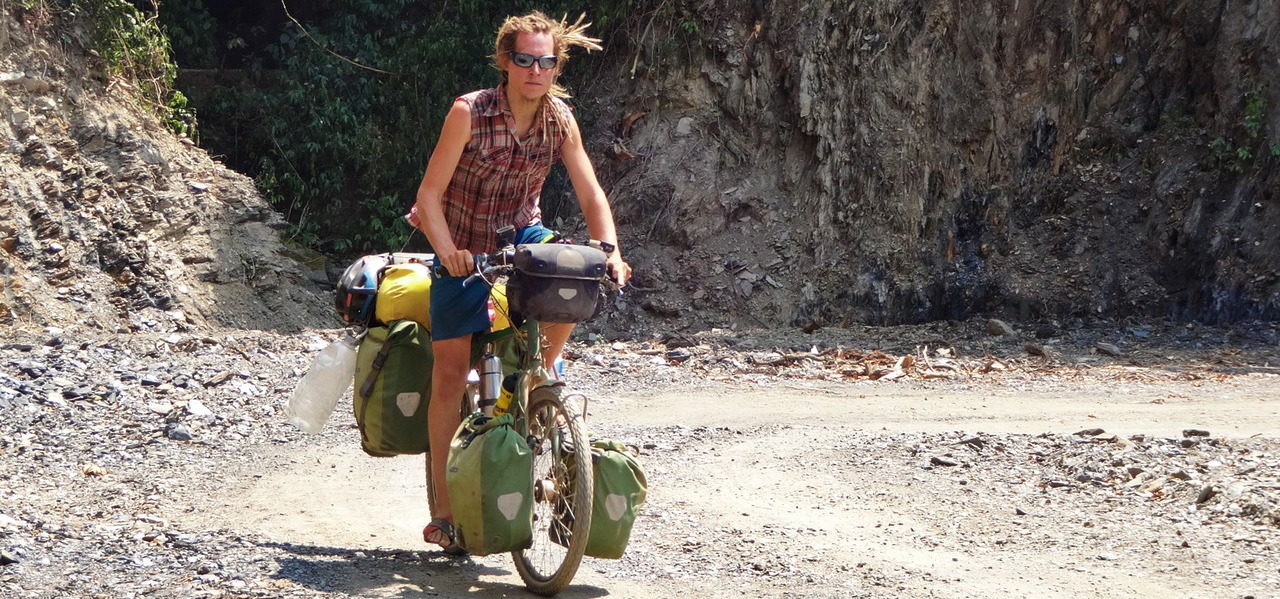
328 377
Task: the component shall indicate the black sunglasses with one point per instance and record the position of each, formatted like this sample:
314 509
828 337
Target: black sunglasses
525 61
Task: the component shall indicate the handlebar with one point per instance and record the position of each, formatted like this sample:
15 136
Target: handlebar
487 265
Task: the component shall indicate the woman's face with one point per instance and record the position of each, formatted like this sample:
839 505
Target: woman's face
531 82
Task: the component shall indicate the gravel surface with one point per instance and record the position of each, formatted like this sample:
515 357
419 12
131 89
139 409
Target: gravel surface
130 466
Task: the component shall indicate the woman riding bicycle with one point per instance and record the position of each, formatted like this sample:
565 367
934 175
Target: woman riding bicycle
495 151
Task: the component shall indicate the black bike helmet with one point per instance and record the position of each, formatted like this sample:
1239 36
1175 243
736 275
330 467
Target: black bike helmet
357 289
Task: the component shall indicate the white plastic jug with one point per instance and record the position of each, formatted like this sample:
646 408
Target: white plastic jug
328 377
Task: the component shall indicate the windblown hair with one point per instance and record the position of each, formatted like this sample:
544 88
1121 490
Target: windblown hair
563 36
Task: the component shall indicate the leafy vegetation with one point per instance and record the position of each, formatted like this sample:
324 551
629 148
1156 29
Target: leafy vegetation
335 111
1242 153
334 108
134 51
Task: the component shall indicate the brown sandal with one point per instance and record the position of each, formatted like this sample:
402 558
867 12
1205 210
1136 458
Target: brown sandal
439 527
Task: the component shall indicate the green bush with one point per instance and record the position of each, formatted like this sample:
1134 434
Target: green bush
337 147
133 49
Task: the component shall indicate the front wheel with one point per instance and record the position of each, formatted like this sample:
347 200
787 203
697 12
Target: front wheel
562 481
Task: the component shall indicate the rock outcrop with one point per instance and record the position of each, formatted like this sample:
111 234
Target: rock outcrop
819 162
111 222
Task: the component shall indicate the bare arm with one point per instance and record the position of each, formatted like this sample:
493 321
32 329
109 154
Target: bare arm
591 197
454 136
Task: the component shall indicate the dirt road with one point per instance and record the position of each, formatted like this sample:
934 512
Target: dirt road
814 489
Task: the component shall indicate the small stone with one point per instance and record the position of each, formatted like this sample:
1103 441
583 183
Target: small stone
999 328
1195 432
160 408
36 85
198 410
679 355
678 340
54 398
1107 348
178 432
1207 492
1090 432
1036 349
684 126
940 461
7 558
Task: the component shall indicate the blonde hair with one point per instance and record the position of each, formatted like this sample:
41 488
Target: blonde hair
563 36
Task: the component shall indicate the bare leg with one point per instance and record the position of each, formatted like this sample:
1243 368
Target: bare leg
557 334
448 382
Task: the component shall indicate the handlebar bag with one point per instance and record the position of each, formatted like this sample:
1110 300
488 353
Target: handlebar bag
555 282
489 473
392 389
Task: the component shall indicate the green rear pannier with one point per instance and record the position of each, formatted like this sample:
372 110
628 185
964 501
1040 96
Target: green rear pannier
619 490
392 387
490 479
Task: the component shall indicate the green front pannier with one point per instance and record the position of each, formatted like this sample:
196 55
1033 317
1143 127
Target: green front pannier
490 478
392 388
618 492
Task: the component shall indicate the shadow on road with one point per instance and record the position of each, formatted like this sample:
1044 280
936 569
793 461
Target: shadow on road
398 573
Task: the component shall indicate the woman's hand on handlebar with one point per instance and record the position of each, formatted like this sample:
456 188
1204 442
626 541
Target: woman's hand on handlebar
459 262
619 270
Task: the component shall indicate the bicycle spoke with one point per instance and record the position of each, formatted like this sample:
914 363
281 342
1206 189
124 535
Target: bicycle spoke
562 497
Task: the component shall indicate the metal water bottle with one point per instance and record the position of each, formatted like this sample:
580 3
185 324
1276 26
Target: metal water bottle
490 381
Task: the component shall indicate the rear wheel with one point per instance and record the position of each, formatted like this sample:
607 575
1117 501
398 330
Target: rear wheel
561 495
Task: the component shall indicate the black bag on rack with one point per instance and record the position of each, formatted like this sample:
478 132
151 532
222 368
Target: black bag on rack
556 282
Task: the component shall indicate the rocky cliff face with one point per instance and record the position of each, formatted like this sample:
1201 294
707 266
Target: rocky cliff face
794 162
818 162
112 223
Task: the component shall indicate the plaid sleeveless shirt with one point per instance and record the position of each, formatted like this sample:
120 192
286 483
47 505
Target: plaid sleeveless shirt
499 177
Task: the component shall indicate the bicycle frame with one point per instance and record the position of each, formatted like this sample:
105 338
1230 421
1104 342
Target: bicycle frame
529 333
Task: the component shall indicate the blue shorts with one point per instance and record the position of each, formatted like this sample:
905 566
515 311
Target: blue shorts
457 310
